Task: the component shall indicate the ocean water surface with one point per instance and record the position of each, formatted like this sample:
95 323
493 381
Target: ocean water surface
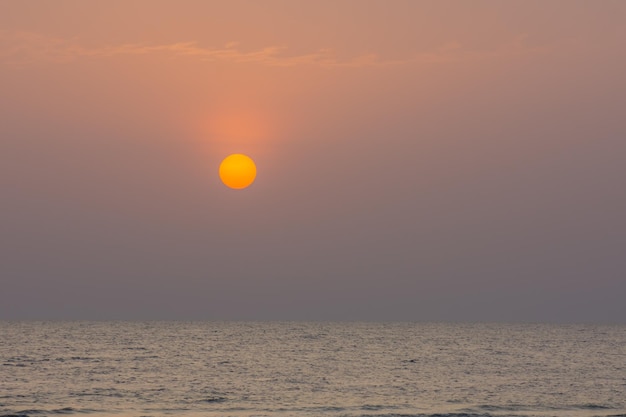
310 369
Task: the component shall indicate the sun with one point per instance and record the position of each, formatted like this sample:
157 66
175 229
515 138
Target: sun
237 171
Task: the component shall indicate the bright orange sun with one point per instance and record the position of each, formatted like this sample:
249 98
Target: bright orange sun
237 171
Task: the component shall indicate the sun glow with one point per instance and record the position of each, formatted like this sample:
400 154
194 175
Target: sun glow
237 171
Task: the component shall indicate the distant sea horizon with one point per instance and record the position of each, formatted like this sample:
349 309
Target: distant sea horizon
313 320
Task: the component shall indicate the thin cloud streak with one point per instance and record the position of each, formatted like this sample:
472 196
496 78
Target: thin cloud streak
26 48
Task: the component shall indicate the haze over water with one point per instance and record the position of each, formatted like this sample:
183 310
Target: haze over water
416 160
311 369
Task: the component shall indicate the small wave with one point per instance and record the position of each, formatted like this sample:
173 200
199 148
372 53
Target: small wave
332 408
429 415
594 407
521 407
66 410
141 358
214 400
510 407
30 412
370 407
457 415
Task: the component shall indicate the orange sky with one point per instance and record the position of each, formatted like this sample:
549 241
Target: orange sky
416 160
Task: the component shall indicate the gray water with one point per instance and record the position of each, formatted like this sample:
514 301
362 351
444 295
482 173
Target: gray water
310 369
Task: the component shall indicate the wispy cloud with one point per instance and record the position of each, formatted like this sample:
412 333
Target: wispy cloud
24 48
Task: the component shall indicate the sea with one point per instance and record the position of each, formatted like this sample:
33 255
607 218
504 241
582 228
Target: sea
310 369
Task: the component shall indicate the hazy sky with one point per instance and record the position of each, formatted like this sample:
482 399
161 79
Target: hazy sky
416 160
